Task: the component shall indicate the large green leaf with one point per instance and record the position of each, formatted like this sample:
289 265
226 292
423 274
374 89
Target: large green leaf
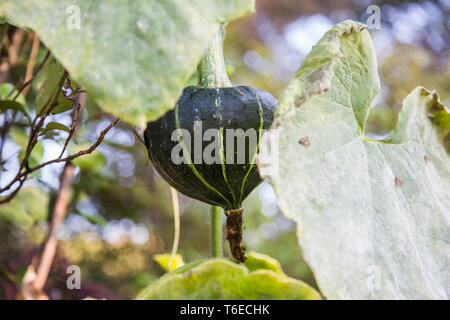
224 279
132 56
373 216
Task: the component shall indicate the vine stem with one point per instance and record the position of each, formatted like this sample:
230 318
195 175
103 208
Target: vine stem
211 69
176 219
211 72
216 232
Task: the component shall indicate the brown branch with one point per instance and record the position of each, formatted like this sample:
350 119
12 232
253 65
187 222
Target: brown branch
58 214
28 78
14 48
27 83
10 196
78 103
80 153
31 61
7 124
47 108
38 271
27 171
4 33
32 287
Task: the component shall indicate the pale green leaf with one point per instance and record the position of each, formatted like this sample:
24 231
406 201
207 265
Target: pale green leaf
133 57
373 217
56 126
12 105
224 279
62 107
8 91
5 90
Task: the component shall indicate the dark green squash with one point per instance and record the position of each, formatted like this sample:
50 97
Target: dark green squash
224 184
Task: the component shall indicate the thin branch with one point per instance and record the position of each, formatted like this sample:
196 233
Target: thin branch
27 171
82 152
31 61
47 108
27 83
4 33
35 278
78 103
15 46
58 214
10 196
38 271
32 141
28 77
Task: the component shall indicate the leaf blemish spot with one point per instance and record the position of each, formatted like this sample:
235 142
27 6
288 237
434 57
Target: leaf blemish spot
305 141
399 181
427 158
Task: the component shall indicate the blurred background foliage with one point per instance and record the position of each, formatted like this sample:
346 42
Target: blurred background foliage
120 213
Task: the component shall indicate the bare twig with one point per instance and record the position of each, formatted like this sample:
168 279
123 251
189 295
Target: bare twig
80 99
46 109
14 48
31 61
33 288
38 271
26 171
28 78
27 83
4 32
58 214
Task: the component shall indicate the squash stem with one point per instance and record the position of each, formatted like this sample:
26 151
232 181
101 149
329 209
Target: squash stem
211 69
216 232
234 233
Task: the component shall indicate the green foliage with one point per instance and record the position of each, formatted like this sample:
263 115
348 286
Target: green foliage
29 206
7 91
372 215
224 279
63 107
56 126
132 57
12 105
132 77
